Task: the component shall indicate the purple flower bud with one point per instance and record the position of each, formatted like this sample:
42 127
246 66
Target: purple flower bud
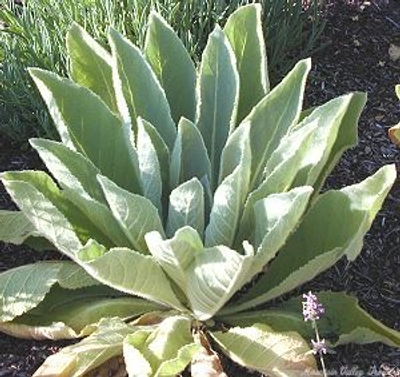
319 347
312 309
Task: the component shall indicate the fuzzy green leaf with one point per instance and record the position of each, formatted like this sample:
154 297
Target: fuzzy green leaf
273 117
87 125
135 214
244 31
165 351
321 240
326 143
230 195
173 66
218 96
280 171
68 314
277 216
78 178
186 207
149 165
23 288
128 271
15 227
275 354
138 91
189 157
78 359
176 254
51 214
90 65
214 277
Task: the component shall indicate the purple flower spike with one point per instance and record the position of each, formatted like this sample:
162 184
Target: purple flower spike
312 309
319 347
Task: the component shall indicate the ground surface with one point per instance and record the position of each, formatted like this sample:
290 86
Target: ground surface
356 58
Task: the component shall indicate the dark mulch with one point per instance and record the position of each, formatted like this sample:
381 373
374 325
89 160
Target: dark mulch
356 58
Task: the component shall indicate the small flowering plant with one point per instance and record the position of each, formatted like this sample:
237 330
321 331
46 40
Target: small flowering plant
312 311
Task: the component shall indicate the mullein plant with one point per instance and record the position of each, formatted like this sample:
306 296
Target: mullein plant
171 189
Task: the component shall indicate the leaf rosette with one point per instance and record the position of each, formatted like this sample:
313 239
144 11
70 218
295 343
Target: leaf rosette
172 188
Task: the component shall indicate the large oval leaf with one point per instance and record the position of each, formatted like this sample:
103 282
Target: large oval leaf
275 354
128 271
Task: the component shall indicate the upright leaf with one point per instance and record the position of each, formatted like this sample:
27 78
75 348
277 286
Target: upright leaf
218 96
214 277
274 116
135 214
321 240
346 137
138 91
189 157
273 353
280 171
128 271
149 165
231 194
277 216
90 65
173 66
244 31
327 143
186 207
77 177
87 125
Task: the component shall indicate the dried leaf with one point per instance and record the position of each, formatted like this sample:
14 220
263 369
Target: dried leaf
206 362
